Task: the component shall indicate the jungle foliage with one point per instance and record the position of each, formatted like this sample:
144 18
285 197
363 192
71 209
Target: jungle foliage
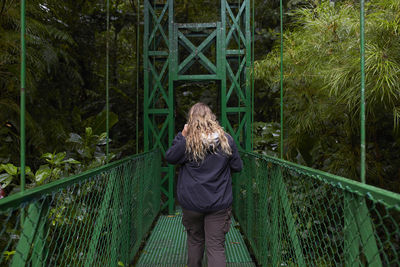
322 88
66 44
66 48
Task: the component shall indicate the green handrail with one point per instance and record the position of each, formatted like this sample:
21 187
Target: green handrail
293 215
386 197
96 218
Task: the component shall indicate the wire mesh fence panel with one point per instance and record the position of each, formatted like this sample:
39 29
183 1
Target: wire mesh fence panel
97 218
296 216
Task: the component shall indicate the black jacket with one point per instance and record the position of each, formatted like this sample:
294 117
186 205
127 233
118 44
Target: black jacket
204 186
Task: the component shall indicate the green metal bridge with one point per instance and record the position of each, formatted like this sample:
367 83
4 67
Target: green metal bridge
289 215
124 213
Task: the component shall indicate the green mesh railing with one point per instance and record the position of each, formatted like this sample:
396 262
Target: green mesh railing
97 218
296 216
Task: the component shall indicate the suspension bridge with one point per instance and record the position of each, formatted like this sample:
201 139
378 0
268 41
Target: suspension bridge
125 213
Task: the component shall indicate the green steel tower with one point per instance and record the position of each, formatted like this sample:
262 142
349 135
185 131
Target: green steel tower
172 53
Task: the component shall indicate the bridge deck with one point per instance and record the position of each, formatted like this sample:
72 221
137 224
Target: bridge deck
166 245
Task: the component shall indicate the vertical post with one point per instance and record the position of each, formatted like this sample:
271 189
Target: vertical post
351 235
242 73
264 218
250 201
156 87
359 234
146 75
22 100
247 129
32 232
281 22
222 68
171 128
243 35
252 76
107 79
140 199
275 215
127 225
39 245
117 234
290 222
362 102
136 215
221 52
137 72
100 218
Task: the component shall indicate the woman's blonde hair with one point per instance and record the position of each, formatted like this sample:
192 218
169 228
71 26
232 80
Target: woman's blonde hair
202 123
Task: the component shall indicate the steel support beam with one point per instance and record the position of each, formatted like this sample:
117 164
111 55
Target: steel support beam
163 41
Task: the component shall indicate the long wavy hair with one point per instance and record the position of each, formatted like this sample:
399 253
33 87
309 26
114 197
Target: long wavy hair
202 124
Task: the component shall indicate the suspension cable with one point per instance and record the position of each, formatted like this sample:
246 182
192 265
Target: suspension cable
362 102
281 76
252 77
107 80
239 31
22 100
137 72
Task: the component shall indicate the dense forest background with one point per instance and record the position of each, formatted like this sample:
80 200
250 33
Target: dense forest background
66 70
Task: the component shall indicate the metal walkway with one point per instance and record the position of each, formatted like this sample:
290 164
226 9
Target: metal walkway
167 245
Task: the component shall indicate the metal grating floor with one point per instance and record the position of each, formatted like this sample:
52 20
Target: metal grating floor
166 245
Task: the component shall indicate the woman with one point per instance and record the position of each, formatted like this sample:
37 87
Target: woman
207 156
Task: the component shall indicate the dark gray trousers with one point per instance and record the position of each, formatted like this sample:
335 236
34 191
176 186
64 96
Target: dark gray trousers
207 229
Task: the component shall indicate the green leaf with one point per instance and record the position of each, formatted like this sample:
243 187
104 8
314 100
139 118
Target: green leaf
48 156
89 132
29 172
102 140
75 138
7 254
98 122
56 174
42 174
10 169
4 176
85 153
103 136
5 179
71 161
58 159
